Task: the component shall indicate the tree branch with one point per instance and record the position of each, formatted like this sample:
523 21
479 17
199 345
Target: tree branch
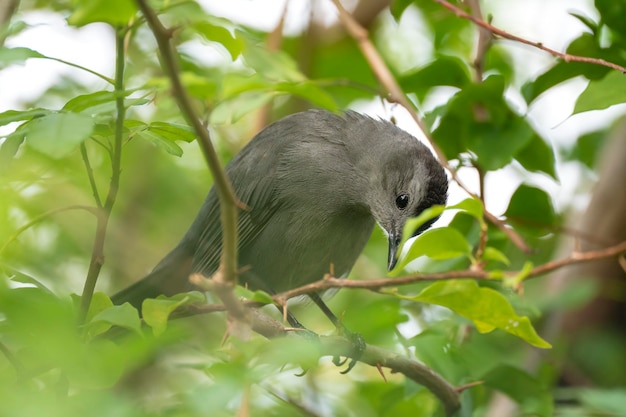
374 356
499 32
228 201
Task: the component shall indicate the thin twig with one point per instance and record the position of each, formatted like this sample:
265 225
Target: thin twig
484 41
385 77
93 210
377 284
97 253
228 201
90 176
503 34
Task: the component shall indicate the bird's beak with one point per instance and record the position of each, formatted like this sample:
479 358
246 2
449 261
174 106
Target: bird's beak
395 238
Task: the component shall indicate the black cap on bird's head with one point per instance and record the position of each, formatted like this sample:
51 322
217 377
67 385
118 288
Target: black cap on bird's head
404 180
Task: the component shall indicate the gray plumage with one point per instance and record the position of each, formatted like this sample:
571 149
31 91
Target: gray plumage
315 184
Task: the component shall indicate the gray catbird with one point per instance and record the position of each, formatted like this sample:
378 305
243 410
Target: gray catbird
314 183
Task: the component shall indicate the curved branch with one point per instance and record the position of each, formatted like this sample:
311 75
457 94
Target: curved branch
374 356
499 32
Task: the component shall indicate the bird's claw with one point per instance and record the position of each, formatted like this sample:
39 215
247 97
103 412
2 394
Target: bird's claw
357 349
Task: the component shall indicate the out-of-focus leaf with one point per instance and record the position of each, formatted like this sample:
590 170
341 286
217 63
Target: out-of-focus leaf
603 93
221 35
587 148
471 206
11 56
311 92
586 20
444 71
113 12
532 397
273 65
125 316
10 116
58 134
537 156
585 45
487 308
493 254
173 131
531 206
161 141
613 14
156 312
607 401
232 110
478 119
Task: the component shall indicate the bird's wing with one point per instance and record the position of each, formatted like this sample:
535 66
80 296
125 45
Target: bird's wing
253 174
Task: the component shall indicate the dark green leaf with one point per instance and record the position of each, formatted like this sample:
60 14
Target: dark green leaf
444 71
537 156
58 134
587 21
603 93
487 308
532 397
11 56
587 148
613 14
531 206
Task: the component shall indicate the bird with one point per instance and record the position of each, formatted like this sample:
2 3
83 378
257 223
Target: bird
314 185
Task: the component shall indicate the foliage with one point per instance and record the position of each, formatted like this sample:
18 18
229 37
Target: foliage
58 153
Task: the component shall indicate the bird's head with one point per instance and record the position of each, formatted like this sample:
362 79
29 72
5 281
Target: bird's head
408 181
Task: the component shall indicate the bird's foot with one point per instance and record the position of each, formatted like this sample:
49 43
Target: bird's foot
356 351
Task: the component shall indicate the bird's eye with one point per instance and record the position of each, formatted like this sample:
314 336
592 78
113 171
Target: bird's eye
402 201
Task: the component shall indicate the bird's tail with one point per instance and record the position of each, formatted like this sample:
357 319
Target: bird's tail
169 277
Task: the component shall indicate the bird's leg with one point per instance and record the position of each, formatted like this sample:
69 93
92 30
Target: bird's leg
358 343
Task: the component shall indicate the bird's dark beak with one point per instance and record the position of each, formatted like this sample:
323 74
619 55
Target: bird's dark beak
394 241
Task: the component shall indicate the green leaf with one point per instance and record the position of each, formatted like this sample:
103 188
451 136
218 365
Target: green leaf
161 142
221 35
493 254
414 223
533 398
173 131
613 14
311 92
479 120
230 111
11 56
11 116
58 134
531 206
606 401
441 243
125 316
444 71
603 93
487 308
537 156
273 65
587 148
113 12
472 206
156 312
